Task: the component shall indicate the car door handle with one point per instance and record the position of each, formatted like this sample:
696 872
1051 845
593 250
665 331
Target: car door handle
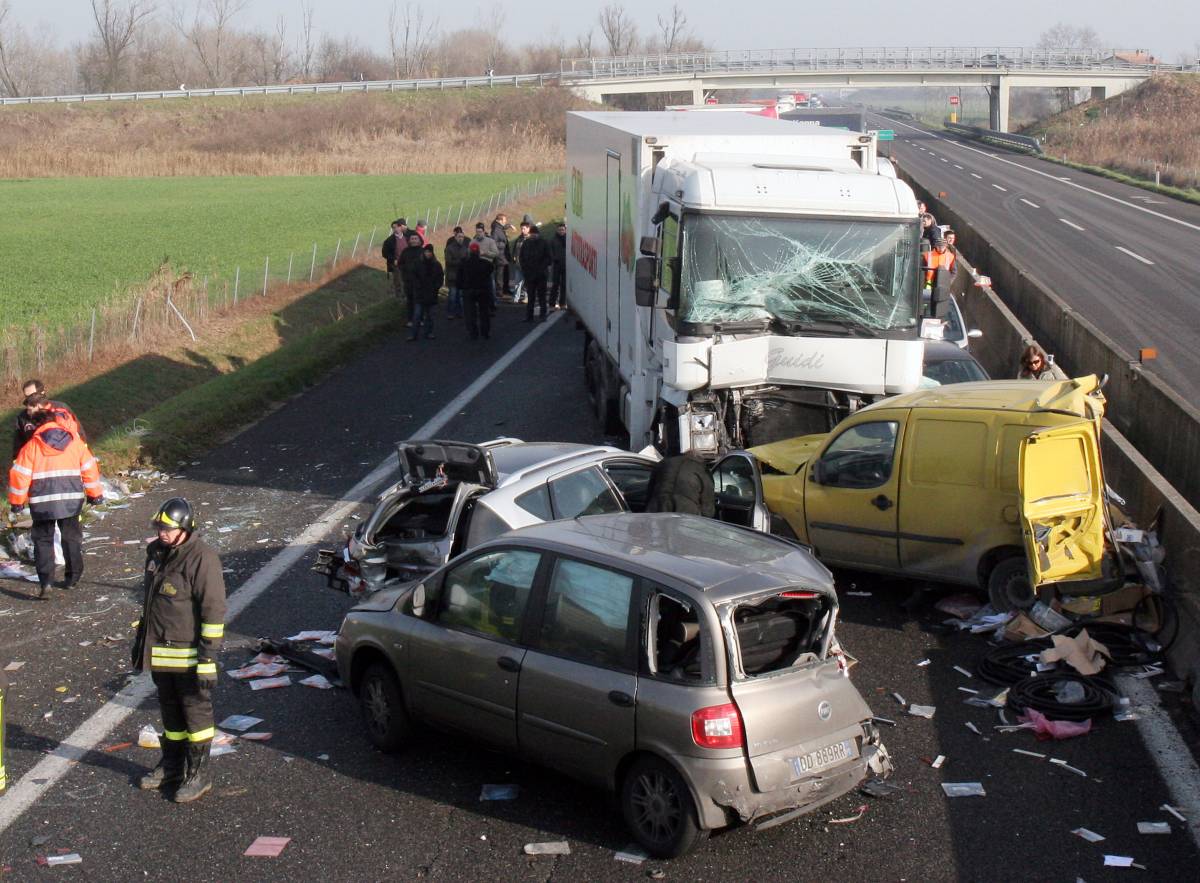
882 502
508 663
616 697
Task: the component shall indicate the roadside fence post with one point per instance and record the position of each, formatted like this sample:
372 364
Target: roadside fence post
92 336
371 243
461 206
290 257
137 312
337 253
437 217
354 252
237 278
313 267
266 270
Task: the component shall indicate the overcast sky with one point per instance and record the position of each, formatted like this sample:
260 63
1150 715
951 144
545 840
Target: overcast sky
1166 28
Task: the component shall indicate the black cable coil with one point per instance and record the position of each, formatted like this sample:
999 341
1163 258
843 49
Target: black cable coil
1039 693
1005 665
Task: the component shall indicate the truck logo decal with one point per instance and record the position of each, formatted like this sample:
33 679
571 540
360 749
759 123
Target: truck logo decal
576 193
584 252
811 361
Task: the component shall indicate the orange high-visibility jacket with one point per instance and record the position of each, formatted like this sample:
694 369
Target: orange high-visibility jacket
53 474
935 262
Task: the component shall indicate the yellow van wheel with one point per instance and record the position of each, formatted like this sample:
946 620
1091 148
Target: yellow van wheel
1009 587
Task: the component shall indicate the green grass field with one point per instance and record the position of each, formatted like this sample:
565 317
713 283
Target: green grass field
71 243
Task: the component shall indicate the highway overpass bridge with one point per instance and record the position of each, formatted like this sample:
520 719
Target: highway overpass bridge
997 69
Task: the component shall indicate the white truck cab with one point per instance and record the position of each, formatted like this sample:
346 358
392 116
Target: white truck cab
741 279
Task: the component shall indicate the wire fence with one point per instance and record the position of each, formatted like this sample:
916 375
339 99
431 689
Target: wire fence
175 302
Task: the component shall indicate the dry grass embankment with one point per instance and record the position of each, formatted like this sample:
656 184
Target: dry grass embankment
1156 123
478 130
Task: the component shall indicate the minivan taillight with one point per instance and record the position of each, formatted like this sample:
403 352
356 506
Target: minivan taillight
718 726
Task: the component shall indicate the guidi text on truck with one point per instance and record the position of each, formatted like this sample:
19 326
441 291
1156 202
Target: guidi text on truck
776 288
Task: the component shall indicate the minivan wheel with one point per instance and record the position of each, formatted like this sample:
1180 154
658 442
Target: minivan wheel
1009 587
659 810
388 726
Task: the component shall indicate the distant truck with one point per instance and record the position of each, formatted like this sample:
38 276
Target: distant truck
741 280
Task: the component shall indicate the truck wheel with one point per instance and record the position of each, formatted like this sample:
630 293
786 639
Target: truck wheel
388 725
659 809
1009 587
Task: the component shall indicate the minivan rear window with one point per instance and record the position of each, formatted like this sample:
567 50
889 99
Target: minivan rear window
780 631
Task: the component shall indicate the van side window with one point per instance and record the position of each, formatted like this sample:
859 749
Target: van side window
676 643
949 452
861 457
587 615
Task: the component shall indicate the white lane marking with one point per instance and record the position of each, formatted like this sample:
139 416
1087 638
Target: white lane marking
1135 256
50 769
1067 181
957 166
1070 224
998 187
1170 753
973 175
1030 204
944 159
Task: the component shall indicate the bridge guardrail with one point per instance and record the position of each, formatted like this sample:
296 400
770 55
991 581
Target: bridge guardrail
1008 139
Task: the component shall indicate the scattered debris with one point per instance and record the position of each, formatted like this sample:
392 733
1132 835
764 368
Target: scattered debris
923 663
1029 753
499 792
1066 766
323 637
1045 728
148 737
1089 836
14 666
633 854
1121 861
1082 653
964 789
268 847
70 858
320 682
1166 807
886 721
119 746
256 737
878 788
221 750
271 683
925 711
937 762
968 690
239 722
1154 827
554 847
974 729
258 670
858 814
963 671
899 699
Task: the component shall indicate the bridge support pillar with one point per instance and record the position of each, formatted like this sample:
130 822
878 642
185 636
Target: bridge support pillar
697 95
998 96
1099 93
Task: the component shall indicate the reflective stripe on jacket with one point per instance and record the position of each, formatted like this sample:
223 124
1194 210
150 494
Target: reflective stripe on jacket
53 473
183 616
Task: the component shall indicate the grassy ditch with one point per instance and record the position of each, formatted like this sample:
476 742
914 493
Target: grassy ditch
1187 195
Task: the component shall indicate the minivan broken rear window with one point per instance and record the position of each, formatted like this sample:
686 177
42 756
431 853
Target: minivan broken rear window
780 631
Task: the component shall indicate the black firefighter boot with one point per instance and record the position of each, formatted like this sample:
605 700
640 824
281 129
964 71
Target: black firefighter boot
170 769
198 782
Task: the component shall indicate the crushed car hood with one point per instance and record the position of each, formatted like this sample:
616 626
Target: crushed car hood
789 455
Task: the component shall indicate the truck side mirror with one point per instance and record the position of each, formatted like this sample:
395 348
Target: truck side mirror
644 293
649 246
974 334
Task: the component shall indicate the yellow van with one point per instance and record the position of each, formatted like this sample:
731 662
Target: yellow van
996 484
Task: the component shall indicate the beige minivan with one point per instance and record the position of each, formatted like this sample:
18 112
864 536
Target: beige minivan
996 484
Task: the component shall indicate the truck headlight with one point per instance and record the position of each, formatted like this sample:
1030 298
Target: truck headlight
702 430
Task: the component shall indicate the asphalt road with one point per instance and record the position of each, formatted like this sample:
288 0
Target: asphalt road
356 814
1122 256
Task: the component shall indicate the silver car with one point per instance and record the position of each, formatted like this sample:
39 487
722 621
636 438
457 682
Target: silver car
456 495
689 666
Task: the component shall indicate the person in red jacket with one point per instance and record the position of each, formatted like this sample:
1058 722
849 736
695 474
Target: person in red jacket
35 400
53 474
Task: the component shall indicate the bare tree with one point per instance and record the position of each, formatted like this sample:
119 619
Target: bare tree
117 25
618 29
585 44
270 52
207 30
673 29
308 46
1062 36
11 49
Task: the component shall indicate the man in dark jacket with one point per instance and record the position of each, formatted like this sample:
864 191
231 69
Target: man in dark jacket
408 267
682 484
429 282
474 280
558 268
178 637
499 235
535 265
393 246
455 253
24 425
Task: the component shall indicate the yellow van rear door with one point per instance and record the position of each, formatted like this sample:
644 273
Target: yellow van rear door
1062 503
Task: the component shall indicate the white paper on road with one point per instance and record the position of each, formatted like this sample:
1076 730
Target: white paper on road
319 682
964 789
1118 861
239 722
1154 828
1089 836
554 847
270 683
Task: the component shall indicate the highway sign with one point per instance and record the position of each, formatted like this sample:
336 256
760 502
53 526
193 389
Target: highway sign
954 99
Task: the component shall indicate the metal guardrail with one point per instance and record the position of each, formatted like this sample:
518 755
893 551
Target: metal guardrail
439 83
872 58
1024 142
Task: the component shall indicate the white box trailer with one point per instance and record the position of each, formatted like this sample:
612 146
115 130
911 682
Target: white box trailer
740 279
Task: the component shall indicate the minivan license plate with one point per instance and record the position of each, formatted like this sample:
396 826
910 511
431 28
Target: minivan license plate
814 761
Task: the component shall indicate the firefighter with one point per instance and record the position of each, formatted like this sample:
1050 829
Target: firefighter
182 625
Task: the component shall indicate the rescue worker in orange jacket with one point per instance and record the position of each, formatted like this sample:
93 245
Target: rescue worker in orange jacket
182 627
53 474
939 265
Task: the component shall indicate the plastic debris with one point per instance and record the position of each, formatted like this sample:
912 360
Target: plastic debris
1066 766
963 671
1082 653
1166 807
258 670
899 699
221 750
499 792
239 722
964 789
323 637
270 683
968 690
1045 728
1121 861
148 737
266 659
1029 753
268 847
553 847
937 762
320 682
923 663
925 711
858 814
1154 827
633 854
878 788
256 737
974 729
118 746
322 757
14 666
70 858
1089 836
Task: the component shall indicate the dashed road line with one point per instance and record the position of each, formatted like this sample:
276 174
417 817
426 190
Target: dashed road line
1135 256
1030 204
1072 224
47 772
998 187
957 166
973 175
944 159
